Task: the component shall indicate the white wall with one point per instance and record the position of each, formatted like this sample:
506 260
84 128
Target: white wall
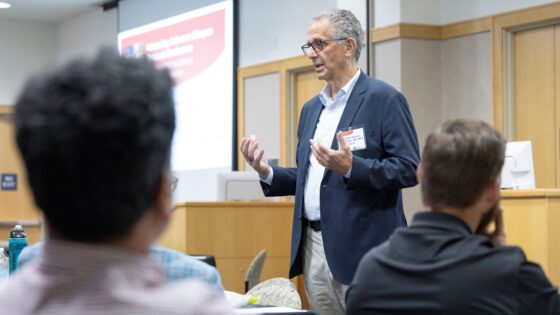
423 11
386 12
26 49
358 7
438 12
466 79
83 35
271 30
460 10
32 47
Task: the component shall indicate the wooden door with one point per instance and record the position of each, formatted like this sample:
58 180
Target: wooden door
306 86
536 62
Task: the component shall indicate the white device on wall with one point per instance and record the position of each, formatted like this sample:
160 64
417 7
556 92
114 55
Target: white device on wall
518 171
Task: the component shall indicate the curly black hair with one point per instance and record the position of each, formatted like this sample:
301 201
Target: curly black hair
95 136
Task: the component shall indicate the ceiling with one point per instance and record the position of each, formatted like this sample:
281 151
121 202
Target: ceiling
48 10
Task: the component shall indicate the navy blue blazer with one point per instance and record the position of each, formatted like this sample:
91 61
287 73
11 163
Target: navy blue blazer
360 212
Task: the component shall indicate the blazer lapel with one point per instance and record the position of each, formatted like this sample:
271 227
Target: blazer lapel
354 102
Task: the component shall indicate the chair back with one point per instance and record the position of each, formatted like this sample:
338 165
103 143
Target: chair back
253 275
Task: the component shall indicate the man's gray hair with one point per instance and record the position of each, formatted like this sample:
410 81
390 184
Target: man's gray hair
345 24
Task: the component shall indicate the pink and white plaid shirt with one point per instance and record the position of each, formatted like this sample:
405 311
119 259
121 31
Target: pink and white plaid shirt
78 278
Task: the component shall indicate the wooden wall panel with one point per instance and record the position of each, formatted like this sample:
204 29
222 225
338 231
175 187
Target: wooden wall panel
15 205
532 219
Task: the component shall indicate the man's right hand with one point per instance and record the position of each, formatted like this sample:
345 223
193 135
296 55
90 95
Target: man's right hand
498 236
254 156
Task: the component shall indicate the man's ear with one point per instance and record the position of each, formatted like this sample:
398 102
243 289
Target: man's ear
162 200
493 191
419 173
351 47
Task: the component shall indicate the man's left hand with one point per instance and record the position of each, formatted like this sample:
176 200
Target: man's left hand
335 160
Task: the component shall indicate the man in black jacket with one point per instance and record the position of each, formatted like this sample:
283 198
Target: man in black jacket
447 262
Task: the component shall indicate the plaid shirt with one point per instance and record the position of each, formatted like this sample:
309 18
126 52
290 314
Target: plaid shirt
175 265
76 278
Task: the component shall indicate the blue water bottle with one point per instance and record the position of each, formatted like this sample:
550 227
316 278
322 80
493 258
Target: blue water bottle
17 242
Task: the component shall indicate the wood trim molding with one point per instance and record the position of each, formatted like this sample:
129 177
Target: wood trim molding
240 117
382 34
426 31
406 30
531 193
502 25
420 31
260 69
527 16
498 39
464 28
285 68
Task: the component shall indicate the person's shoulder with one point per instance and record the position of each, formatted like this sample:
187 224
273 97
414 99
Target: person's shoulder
378 89
170 257
314 101
29 253
510 253
378 85
193 264
177 266
175 297
511 259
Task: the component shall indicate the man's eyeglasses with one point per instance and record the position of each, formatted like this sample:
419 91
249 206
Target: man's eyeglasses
174 182
319 44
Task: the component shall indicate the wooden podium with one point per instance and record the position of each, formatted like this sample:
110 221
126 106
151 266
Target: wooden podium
234 232
532 221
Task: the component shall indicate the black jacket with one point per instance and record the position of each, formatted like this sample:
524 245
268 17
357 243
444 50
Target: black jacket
437 266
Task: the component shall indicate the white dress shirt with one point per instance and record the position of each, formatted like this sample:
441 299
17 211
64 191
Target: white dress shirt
325 133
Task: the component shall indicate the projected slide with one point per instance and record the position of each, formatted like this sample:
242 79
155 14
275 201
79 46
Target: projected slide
197 48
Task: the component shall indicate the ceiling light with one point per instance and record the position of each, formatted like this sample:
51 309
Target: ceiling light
4 5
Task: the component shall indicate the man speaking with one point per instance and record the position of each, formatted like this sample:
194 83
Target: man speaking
357 148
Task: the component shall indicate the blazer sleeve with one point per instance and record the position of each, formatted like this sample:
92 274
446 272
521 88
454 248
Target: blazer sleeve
396 169
283 182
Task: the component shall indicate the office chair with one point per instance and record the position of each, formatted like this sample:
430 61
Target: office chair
253 275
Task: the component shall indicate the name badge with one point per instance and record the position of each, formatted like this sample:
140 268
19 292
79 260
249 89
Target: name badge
355 139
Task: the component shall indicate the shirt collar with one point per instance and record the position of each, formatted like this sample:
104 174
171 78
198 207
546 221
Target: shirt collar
440 220
342 95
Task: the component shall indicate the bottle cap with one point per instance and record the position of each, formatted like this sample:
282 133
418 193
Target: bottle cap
17 232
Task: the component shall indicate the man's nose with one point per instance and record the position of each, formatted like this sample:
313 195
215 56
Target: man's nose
311 53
